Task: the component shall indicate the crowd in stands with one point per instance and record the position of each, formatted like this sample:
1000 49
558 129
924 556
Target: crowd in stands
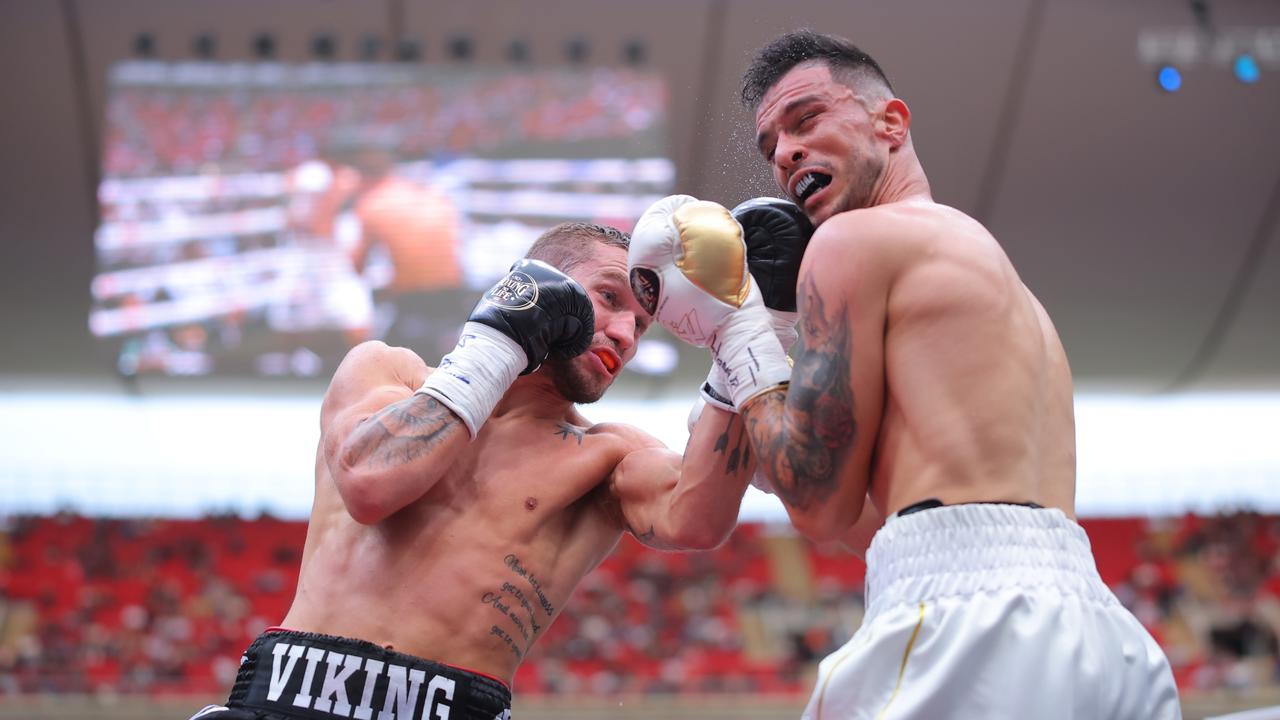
181 130
166 606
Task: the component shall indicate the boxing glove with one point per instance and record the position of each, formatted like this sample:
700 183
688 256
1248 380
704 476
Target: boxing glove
777 233
543 310
533 312
688 268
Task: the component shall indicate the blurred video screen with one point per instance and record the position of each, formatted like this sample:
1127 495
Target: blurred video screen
260 219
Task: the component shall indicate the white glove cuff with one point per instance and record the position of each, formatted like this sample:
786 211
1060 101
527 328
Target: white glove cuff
784 327
748 353
715 390
472 379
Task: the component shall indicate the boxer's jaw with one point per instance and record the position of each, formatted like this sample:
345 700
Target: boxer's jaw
577 380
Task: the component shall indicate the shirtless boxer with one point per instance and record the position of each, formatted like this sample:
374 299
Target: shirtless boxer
932 389
457 508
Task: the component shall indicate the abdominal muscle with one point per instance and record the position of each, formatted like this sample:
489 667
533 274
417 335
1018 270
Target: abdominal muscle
457 578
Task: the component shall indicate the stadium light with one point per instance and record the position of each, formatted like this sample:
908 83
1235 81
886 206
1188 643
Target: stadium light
518 52
461 48
634 53
1246 69
264 46
324 46
577 50
205 46
144 45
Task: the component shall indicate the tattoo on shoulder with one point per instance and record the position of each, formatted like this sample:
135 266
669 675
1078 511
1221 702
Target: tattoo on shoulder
566 431
805 435
404 431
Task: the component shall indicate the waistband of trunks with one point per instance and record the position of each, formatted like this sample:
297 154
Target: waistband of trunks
310 676
979 548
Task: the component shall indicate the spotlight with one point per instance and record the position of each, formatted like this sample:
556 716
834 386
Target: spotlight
408 50
634 53
205 46
460 48
144 45
1169 78
576 50
264 46
324 46
518 52
1246 68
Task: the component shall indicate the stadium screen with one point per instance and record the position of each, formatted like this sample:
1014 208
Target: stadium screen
260 219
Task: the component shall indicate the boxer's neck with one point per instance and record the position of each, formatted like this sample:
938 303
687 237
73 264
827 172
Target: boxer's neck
533 396
903 178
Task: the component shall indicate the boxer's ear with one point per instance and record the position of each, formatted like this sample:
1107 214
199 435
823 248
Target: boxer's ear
894 122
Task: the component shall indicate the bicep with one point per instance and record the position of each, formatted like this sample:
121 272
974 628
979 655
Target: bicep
844 311
372 376
834 402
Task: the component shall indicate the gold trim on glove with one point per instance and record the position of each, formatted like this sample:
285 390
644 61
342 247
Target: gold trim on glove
713 255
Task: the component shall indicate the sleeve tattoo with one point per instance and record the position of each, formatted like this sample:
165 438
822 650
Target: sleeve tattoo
803 436
402 432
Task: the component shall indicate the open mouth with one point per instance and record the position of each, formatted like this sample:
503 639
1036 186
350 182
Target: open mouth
810 184
611 362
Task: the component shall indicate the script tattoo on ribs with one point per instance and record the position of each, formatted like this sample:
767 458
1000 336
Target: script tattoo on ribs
402 432
803 436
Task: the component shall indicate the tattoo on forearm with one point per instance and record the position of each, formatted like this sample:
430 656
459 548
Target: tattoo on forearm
566 431
650 538
804 436
402 432
740 455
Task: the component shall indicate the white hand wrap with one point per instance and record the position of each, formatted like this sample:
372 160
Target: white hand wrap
472 379
748 352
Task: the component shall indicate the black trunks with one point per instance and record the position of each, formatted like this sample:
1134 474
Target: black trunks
290 675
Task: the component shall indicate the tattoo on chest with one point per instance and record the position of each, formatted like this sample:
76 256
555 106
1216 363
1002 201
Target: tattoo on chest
805 435
566 431
403 432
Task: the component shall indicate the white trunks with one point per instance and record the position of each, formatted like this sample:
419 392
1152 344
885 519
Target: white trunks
985 611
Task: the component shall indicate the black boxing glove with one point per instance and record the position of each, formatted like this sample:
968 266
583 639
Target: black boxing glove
545 311
533 312
777 233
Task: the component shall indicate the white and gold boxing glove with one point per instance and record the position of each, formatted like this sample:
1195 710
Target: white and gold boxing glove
688 268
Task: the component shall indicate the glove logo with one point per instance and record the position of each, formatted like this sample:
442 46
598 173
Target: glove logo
516 291
645 285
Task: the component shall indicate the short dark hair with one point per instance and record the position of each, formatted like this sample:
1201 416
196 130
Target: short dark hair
846 61
567 245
